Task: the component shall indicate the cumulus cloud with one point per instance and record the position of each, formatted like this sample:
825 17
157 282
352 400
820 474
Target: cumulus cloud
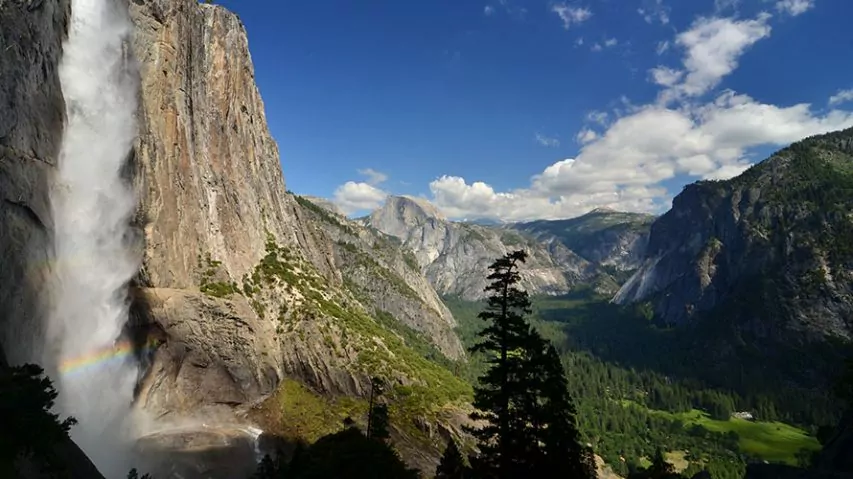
666 76
712 48
547 140
843 96
641 146
571 15
693 129
353 196
586 135
488 10
794 7
623 168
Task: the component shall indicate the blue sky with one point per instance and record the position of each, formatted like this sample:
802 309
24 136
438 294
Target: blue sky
521 109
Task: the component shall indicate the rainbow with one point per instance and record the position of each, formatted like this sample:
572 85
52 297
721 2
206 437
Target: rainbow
91 360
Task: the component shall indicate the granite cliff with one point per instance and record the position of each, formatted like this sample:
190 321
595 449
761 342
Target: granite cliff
757 268
614 240
455 256
248 284
243 286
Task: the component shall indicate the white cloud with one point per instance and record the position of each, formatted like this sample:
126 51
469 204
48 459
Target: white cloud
628 152
546 140
794 7
665 76
579 42
571 15
586 135
623 167
610 42
373 177
654 10
488 10
352 197
713 47
843 96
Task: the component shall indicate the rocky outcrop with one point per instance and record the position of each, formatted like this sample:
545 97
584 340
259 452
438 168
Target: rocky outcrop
605 237
205 353
455 256
385 277
31 118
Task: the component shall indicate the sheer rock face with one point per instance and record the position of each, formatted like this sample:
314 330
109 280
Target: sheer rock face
217 353
31 117
209 176
211 186
455 256
776 233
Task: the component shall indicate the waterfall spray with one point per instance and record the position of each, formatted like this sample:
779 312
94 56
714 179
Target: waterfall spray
94 255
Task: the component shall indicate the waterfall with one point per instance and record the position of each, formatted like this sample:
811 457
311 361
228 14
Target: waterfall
95 256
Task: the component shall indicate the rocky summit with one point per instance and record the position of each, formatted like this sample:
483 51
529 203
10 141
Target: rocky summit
454 256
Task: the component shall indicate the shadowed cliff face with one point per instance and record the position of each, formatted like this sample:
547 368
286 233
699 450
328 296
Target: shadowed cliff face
759 266
31 118
777 233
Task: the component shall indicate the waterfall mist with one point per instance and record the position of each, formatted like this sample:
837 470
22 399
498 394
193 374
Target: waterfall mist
95 255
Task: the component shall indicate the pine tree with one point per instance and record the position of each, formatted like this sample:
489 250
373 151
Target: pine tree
377 414
507 439
26 402
531 426
564 454
379 423
451 466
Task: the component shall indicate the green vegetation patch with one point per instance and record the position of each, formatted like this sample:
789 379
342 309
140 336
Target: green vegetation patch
385 347
298 412
361 259
324 214
209 268
770 441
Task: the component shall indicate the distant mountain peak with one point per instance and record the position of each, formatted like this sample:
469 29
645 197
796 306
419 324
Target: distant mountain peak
602 210
412 206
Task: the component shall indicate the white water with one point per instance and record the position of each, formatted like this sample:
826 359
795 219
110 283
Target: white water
94 255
